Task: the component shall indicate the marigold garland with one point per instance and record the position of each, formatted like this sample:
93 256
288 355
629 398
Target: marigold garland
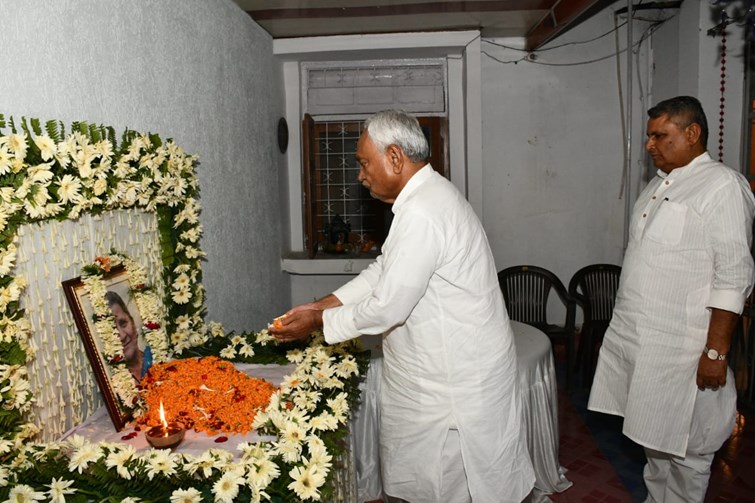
205 394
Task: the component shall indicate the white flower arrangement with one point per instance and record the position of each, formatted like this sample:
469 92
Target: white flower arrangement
47 174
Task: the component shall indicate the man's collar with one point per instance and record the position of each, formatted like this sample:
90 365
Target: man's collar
415 181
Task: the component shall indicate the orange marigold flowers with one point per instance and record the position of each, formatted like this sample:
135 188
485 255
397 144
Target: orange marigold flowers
104 263
205 394
278 322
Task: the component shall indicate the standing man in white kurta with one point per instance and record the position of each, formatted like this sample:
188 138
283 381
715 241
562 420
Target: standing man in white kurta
686 274
449 404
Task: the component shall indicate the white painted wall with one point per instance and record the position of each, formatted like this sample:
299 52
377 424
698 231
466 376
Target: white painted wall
553 151
198 72
553 139
688 61
553 145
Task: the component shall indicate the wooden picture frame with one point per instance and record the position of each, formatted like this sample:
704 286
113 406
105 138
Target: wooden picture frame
116 281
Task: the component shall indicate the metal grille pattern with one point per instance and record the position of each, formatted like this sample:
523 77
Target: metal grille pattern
338 190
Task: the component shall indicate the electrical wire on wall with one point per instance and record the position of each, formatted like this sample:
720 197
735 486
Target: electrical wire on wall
632 48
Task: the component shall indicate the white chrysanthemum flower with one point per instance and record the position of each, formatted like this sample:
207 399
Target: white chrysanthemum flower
306 481
161 461
260 420
262 472
291 452
293 432
83 456
319 454
69 189
4 474
181 282
6 163
59 488
295 356
10 294
75 441
229 352
17 144
227 487
104 148
16 391
17 165
181 296
182 322
263 337
205 463
339 406
7 259
100 186
5 444
189 495
118 459
246 350
24 494
46 147
347 367
324 421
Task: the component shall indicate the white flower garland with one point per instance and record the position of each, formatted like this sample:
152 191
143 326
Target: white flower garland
151 311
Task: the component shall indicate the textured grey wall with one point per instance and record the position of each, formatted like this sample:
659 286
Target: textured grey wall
198 71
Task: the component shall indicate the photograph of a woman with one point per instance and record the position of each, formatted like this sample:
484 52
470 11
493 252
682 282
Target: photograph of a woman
137 360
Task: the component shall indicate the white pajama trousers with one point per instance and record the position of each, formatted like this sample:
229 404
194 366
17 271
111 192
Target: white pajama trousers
454 487
674 479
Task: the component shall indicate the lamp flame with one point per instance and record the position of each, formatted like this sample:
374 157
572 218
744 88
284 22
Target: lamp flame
162 418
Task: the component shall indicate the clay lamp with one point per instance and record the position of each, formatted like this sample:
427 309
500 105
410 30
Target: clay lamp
166 435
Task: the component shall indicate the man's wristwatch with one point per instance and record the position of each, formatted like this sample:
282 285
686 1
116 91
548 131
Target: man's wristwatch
713 354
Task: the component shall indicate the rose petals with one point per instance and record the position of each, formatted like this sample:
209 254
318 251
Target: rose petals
220 439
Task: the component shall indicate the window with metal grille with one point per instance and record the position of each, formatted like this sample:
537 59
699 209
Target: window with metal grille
333 195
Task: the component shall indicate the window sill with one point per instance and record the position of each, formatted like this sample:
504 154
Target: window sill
298 263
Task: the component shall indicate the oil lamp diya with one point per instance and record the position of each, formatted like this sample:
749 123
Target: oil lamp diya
166 435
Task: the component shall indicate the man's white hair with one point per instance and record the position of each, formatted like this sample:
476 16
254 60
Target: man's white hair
396 127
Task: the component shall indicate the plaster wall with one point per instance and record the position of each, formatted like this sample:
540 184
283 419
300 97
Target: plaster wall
553 149
688 61
198 72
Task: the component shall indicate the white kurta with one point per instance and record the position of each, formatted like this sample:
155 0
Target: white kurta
448 352
689 250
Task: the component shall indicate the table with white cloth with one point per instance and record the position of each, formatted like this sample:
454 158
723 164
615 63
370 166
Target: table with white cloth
98 427
537 380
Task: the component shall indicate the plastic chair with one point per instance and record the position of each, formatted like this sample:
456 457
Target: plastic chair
594 289
526 290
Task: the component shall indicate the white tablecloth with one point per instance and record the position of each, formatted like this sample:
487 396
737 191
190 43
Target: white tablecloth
537 378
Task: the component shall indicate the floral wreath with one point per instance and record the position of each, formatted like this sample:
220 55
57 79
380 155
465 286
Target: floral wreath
46 174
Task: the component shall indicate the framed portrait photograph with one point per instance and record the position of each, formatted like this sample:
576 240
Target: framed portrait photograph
117 334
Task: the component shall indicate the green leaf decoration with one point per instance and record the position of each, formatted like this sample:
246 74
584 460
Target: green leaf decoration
55 130
35 127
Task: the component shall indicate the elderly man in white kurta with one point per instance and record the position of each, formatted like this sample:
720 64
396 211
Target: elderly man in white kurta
686 274
449 405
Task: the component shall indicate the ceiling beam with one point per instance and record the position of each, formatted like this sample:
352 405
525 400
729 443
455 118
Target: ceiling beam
560 16
401 9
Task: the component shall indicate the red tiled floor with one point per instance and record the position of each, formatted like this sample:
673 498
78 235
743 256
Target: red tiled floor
733 472
593 477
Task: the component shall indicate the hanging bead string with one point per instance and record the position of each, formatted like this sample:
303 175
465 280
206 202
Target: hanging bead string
723 88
